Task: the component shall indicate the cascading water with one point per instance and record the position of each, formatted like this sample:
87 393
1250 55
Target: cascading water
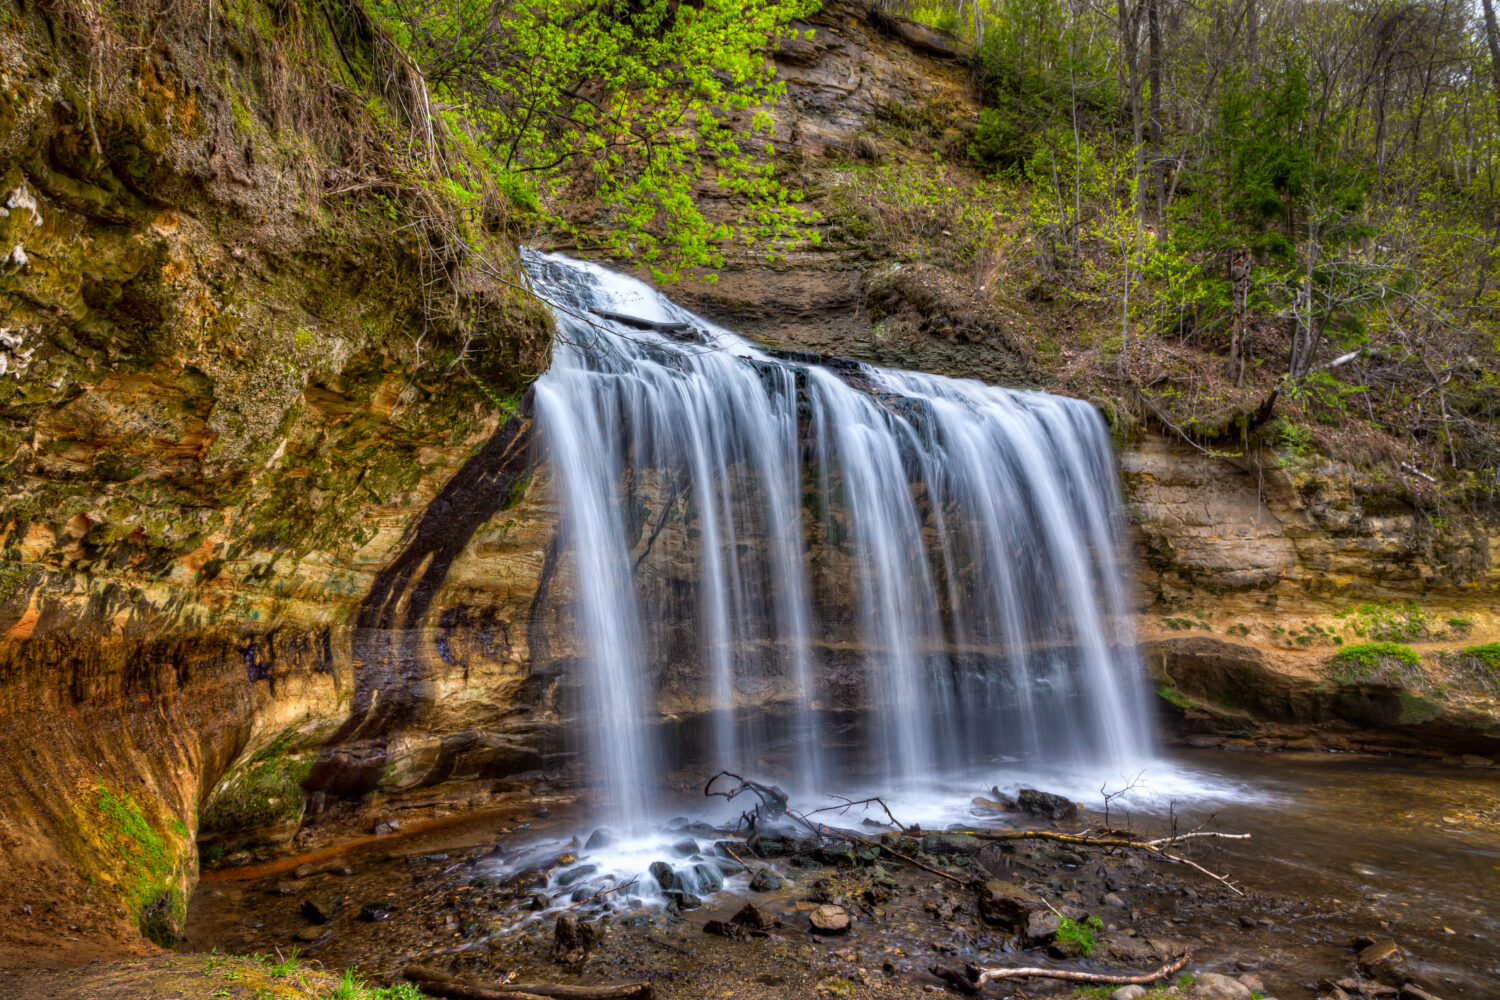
865 574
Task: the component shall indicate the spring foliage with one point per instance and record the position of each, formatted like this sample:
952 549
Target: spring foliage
619 110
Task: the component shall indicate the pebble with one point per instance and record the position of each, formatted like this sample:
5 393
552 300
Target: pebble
1114 901
303 870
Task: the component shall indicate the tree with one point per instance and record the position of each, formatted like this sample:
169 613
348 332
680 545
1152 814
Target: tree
618 108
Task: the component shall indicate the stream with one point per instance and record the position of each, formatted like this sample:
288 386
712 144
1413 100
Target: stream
1342 846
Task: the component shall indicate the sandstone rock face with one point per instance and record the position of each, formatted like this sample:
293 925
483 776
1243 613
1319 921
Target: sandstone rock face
234 482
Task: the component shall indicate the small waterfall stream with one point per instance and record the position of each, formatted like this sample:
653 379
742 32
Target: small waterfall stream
867 575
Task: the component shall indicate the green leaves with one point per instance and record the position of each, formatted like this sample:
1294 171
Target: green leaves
613 114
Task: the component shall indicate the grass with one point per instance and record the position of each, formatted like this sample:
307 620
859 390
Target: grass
349 986
1079 932
1387 663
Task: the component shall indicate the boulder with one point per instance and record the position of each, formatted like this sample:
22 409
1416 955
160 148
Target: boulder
1004 904
576 874
1040 926
829 919
685 848
598 840
1212 986
765 880
1128 993
1385 962
755 917
664 875
1046 804
709 878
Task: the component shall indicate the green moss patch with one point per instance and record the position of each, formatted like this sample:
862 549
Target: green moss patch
1387 664
1172 696
150 861
265 791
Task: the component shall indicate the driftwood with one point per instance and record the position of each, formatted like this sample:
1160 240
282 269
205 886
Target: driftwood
977 977
440 984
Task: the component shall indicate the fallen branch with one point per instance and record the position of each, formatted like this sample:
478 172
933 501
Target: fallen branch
977 977
442 985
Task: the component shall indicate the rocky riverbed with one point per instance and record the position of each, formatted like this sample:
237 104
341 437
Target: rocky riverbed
1326 899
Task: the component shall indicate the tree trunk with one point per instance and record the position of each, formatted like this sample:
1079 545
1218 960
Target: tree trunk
1241 260
1492 35
1252 40
1153 29
1129 14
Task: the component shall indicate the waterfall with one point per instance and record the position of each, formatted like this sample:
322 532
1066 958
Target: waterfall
838 573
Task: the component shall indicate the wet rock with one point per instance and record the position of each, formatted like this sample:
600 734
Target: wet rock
1113 901
1385 962
237 859
598 840
576 874
1005 904
1247 921
321 911
951 843
663 873
540 901
684 900
530 878
386 827
685 848
580 893
303 870
768 846
836 855
709 878
284 888
343 871
901 844
756 917
765 880
373 913
725 929
1252 983
1128 993
1041 925
942 909
1046 804
829 919
573 939
1213 986
311 935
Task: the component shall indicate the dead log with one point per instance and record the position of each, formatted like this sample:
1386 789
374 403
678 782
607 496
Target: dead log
440 984
976 977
